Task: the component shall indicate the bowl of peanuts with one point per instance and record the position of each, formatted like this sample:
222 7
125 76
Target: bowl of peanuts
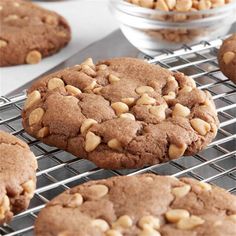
151 25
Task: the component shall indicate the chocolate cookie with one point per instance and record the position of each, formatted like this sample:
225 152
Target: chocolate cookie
17 176
28 32
143 205
120 113
227 58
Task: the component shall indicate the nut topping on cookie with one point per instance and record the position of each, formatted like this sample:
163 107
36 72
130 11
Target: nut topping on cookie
36 116
92 141
32 99
201 126
181 191
175 215
149 231
55 83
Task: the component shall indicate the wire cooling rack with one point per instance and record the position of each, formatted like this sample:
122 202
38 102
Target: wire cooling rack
59 170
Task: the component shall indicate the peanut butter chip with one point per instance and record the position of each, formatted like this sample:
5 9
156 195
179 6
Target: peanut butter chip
144 89
180 110
1 8
43 132
87 124
161 5
98 191
51 20
36 116
170 96
88 70
3 43
233 217
127 116
205 186
124 221
4 207
159 111
32 99
113 232
89 62
175 215
29 188
10 18
91 86
115 144
201 126
102 67
119 107
183 5
228 57
91 141
190 223
113 79
146 100
33 57
72 90
149 220
186 89
181 191
55 83
75 201
176 151
149 231
101 224
128 101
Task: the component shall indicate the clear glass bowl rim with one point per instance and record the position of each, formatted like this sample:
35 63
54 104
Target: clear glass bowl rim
138 9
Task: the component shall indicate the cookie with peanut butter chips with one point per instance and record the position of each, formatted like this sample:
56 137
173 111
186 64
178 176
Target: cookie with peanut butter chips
227 58
29 33
142 205
17 176
120 113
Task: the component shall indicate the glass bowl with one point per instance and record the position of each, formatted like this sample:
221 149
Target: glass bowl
151 30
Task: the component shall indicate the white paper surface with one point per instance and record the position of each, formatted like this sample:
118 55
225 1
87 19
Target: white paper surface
90 21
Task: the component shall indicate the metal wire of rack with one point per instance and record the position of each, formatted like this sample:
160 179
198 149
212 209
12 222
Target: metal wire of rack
59 170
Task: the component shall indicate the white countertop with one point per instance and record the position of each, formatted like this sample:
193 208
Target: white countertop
90 21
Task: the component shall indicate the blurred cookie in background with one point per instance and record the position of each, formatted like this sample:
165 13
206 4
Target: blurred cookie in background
29 32
227 58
